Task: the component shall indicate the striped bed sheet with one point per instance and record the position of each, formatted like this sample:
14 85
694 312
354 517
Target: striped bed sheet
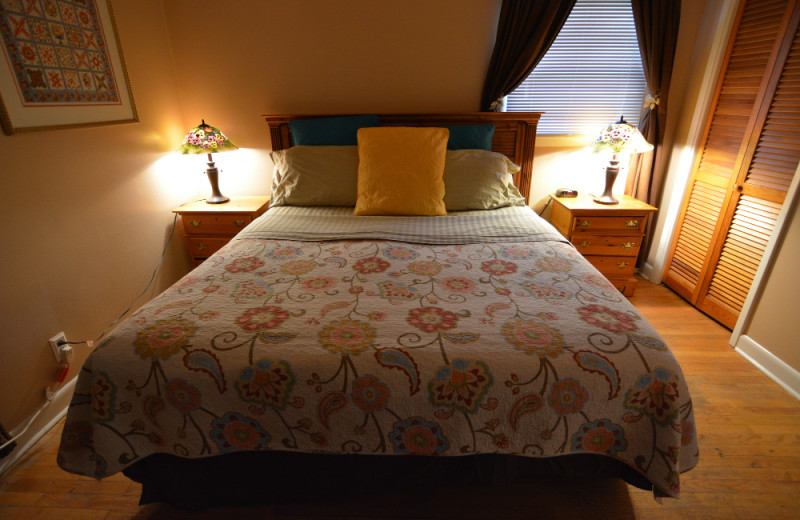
511 224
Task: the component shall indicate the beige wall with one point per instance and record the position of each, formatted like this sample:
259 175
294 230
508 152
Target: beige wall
359 56
779 302
84 216
321 56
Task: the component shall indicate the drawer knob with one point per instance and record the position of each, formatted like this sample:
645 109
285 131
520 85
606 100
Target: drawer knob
195 223
628 245
585 223
623 265
632 223
585 243
201 246
239 223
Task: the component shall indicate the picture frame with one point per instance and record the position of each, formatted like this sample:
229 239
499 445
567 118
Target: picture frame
61 66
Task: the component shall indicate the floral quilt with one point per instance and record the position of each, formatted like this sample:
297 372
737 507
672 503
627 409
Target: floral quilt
384 347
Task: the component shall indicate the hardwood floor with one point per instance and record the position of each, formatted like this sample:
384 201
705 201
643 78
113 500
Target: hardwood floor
749 463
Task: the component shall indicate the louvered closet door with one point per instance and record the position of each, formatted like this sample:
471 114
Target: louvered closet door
750 154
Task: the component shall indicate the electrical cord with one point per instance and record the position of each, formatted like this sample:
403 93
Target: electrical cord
152 278
24 428
545 206
50 393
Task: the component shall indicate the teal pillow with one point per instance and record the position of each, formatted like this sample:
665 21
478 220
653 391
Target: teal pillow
470 137
330 131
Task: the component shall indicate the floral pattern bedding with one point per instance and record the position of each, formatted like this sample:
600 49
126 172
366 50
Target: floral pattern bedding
385 347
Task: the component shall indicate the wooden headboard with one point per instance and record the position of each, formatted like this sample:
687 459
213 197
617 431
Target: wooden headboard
514 135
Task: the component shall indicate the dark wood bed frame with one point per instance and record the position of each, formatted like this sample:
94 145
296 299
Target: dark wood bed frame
514 135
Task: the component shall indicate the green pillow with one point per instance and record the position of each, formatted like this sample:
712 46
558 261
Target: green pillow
477 179
330 131
328 176
315 176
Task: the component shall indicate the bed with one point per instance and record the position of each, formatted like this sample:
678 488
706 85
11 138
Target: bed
407 350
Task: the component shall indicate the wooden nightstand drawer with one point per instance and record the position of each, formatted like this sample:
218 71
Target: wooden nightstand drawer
626 285
607 244
609 236
613 265
208 224
203 247
208 227
595 224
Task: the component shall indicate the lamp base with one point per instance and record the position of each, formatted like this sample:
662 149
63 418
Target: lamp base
606 199
213 178
612 170
214 199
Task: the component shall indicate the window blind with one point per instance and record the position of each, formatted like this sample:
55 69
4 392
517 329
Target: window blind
591 74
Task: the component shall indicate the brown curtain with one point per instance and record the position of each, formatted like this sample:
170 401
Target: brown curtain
526 29
657 24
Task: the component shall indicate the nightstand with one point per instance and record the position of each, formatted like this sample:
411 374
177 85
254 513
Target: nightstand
208 227
608 236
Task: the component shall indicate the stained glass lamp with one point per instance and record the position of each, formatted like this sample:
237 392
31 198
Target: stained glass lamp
207 139
620 138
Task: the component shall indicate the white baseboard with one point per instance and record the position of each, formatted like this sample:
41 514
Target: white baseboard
58 409
777 370
646 272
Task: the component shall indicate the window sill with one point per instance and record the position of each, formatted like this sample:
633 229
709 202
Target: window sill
564 141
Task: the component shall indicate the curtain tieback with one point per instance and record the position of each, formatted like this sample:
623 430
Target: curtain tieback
496 105
652 101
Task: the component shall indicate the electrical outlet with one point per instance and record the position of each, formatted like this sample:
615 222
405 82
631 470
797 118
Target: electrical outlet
54 344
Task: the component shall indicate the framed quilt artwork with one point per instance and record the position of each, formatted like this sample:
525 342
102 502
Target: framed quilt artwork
61 66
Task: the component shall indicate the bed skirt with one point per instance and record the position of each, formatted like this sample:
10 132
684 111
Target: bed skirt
283 478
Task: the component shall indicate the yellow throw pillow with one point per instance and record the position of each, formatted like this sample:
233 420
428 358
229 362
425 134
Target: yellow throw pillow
400 171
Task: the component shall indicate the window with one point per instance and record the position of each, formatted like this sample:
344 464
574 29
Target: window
591 74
